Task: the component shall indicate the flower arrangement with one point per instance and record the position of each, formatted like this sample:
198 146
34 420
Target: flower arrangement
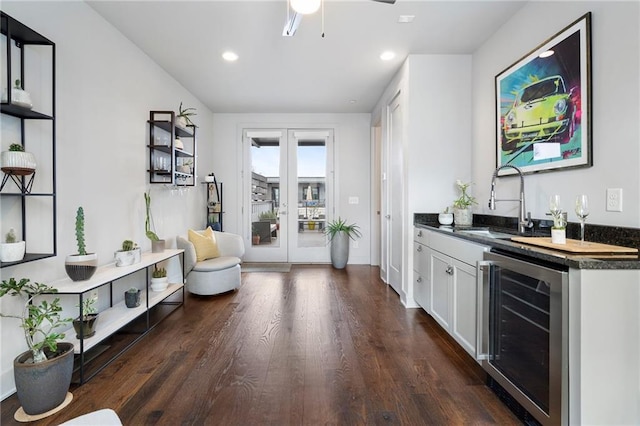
465 200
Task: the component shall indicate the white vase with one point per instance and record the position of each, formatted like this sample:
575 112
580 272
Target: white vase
159 284
559 236
445 218
463 217
126 258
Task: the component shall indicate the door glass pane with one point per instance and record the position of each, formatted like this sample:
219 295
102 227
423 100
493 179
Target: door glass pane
265 191
311 155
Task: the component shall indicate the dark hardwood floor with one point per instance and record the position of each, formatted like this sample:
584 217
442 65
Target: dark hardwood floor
313 346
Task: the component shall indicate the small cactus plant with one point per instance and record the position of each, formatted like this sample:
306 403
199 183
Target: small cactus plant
10 238
158 272
128 245
133 290
16 147
82 249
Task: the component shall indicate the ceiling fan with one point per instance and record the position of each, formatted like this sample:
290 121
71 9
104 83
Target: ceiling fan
297 8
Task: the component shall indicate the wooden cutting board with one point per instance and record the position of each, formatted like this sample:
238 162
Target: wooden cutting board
574 246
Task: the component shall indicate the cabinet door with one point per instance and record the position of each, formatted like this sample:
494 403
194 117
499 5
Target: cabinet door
421 276
441 272
464 318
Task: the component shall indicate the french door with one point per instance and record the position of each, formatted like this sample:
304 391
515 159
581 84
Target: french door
288 194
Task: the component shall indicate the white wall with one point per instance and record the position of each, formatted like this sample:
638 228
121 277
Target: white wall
615 107
105 89
351 155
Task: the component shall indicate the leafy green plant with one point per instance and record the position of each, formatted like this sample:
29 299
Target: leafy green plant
128 245
133 290
465 200
148 221
16 147
158 272
17 84
82 249
88 306
559 221
267 215
336 226
187 113
10 238
37 320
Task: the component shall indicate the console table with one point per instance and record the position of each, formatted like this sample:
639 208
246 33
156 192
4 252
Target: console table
134 322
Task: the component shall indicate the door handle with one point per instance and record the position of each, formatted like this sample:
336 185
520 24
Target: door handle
387 216
482 290
419 248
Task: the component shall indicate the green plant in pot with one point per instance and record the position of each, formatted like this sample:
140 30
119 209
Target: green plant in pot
157 245
339 234
85 324
129 254
16 161
183 118
462 214
12 250
82 265
159 280
132 297
43 373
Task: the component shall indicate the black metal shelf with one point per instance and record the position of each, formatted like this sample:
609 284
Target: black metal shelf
18 36
166 173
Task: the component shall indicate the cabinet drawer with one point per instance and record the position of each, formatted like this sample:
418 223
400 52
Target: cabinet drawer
457 248
421 235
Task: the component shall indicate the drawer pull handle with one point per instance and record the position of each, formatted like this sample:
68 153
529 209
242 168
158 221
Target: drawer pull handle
419 233
419 248
419 280
449 270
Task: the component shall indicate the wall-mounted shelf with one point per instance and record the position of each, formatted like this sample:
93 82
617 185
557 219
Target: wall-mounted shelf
23 209
168 162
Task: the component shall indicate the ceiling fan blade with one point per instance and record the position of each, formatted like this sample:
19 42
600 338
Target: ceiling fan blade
386 1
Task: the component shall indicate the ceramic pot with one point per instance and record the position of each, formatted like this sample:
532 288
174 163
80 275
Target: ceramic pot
559 236
17 163
159 284
445 218
463 217
87 326
43 386
12 252
132 299
126 258
157 246
81 268
340 250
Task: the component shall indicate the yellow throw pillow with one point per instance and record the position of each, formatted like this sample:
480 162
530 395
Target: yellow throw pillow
205 244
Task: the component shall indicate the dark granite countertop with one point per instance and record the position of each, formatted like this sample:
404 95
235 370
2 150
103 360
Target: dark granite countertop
627 237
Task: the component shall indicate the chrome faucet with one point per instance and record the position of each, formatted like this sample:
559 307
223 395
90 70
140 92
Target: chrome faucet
524 222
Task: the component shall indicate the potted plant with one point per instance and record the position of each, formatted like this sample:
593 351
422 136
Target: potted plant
12 250
445 218
462 205
85 324
129 254
339 234
558 230
82 265
19 96
43 373
157 245
255 236
16 161
183 118
159 281
132 297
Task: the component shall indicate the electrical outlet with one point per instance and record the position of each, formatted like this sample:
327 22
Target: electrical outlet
354 244
614 199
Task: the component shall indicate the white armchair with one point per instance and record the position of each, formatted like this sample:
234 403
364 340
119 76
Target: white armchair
217 275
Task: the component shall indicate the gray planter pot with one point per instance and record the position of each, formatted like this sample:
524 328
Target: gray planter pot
340 250
81 268
43 386
87 326
157 246
132 300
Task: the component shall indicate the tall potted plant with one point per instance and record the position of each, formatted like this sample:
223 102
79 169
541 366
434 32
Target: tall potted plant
157 245
339 234
43 373
462 214
82 265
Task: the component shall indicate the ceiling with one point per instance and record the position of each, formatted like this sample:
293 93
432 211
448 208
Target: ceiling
306 73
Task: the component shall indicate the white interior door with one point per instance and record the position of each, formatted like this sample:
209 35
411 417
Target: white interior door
395 194
288 194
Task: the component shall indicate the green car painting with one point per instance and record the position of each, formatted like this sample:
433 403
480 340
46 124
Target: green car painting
543 111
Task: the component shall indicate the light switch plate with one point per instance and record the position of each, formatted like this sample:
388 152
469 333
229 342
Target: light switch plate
354 200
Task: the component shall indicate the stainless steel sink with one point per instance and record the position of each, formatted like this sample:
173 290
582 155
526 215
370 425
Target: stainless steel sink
485 232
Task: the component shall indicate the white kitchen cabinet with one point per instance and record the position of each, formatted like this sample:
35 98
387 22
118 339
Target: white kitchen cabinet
421 274
454 290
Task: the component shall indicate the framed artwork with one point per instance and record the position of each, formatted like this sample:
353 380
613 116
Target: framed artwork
543 105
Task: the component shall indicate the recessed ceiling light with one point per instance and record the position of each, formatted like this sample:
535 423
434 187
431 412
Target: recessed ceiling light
387 56
230 56
546 54
406 19
352 101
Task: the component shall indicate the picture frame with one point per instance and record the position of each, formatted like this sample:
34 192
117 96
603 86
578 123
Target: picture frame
543 105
